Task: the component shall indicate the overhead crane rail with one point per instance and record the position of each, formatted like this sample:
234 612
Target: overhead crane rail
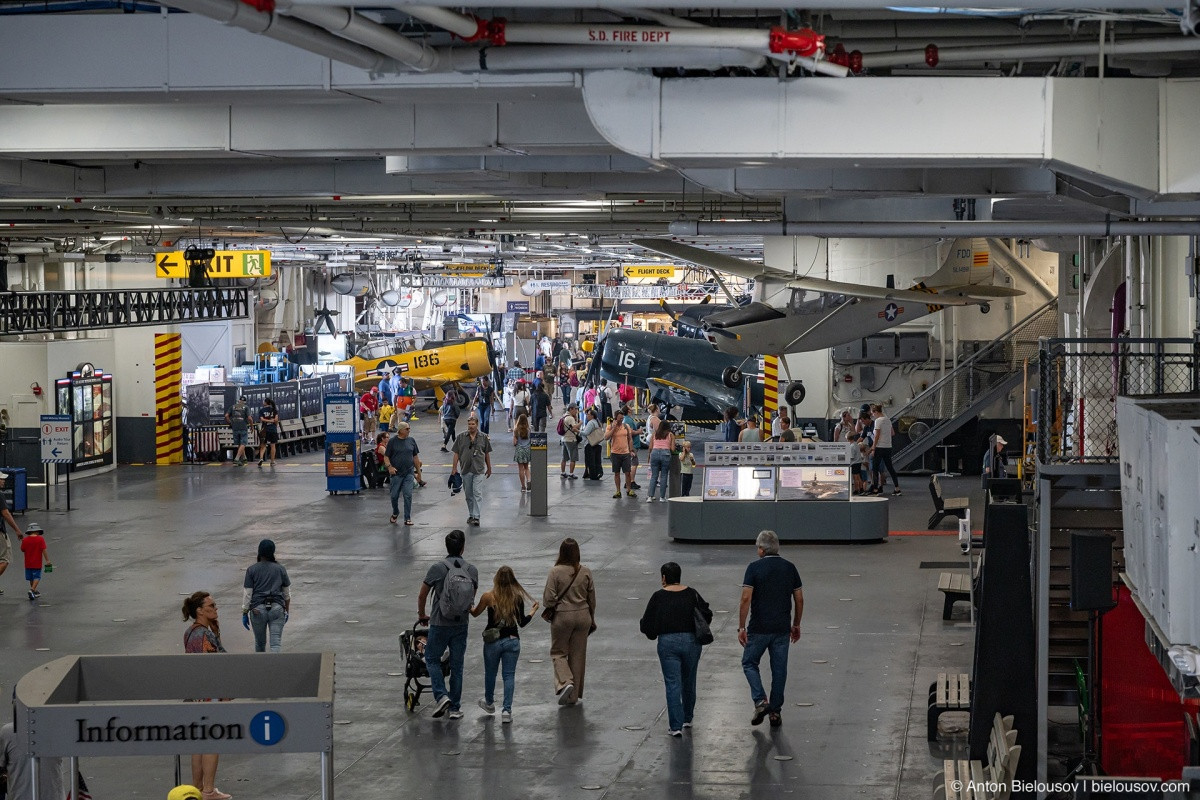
55 312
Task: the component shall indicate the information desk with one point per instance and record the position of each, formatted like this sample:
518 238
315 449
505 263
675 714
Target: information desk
859 519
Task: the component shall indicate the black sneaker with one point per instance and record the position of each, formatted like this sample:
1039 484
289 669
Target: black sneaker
439 708
776 719
896 493
636 485
760 713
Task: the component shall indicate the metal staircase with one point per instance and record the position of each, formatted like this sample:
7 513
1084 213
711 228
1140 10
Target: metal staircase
976 383
1071 498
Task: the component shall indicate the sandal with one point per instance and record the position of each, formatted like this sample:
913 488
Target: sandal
393 519
408 522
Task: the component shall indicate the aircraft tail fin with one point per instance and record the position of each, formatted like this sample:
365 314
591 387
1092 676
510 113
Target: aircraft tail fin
968 262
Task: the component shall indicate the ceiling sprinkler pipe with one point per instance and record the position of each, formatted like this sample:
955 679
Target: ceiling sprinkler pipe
1049 50
987 228
761 41
289 31
346 23
461 25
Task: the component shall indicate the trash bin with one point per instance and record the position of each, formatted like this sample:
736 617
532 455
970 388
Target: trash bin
15 488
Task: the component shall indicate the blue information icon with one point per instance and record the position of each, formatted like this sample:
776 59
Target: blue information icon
267 728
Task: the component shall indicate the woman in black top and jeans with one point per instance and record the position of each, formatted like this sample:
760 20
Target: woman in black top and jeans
505 606
670 618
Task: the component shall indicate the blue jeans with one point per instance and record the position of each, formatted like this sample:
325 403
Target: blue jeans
777 645
485 417
441 637
473 489
263 619
506 652
679 657
660 470
403 484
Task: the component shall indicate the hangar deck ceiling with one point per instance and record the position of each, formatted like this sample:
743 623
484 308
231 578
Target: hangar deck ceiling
567 127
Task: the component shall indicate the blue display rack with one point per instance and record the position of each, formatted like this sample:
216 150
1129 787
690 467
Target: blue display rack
341 443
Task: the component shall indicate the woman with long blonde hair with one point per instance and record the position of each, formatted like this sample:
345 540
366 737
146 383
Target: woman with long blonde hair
522 453
505 606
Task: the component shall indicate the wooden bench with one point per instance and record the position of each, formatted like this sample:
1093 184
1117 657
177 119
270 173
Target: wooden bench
950 692
956 586
976 780
945 506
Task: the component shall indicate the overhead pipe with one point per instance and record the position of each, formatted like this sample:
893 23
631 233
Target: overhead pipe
290 31
570 57
985 228
1024 52
348 24
756 5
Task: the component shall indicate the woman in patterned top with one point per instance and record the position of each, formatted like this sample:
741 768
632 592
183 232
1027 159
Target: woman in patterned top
203 636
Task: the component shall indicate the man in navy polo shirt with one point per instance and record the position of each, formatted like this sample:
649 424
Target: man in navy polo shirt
774 600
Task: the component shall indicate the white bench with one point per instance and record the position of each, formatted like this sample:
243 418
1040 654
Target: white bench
976 780
950 692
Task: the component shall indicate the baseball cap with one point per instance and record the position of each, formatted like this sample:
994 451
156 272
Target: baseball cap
401 425
574 406
1000 439
184 792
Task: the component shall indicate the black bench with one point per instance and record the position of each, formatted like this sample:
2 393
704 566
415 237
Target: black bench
950 692
956 587
976 780
943 506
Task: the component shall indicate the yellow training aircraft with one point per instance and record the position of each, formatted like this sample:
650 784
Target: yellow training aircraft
435 364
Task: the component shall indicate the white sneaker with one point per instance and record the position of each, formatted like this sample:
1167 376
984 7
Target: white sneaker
566 694
488 707
439 708
650 499
505 717
455 715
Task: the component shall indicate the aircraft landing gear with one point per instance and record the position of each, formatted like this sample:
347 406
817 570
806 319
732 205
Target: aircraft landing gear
793 395
732 377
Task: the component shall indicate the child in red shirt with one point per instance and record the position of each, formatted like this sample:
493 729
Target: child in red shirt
34 548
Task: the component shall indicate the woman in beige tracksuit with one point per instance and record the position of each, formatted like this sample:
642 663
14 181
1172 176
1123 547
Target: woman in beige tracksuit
572 593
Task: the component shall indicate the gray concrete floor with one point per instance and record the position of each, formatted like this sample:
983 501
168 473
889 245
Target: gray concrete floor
142 537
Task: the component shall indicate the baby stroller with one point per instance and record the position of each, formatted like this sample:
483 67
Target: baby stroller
412 647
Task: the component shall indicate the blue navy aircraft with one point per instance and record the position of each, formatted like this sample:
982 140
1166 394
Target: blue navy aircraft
678 371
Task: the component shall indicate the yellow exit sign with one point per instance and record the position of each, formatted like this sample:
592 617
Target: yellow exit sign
225 264
650 271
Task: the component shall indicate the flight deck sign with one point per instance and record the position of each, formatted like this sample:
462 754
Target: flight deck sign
650 271
225 264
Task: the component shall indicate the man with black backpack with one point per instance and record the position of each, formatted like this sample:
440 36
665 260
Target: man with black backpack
454 582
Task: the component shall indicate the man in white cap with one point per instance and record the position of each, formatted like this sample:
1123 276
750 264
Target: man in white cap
995 463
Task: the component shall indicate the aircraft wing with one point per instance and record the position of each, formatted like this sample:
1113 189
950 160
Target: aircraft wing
749 269
927 296
688 390
984 291
717 261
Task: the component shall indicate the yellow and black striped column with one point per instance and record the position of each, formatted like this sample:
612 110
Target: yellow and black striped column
770 389
168 407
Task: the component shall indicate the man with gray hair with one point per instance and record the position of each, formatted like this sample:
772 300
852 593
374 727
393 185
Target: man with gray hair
773 599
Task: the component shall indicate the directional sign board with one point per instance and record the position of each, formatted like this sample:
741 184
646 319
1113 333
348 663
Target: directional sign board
56 439
225 264
650 271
